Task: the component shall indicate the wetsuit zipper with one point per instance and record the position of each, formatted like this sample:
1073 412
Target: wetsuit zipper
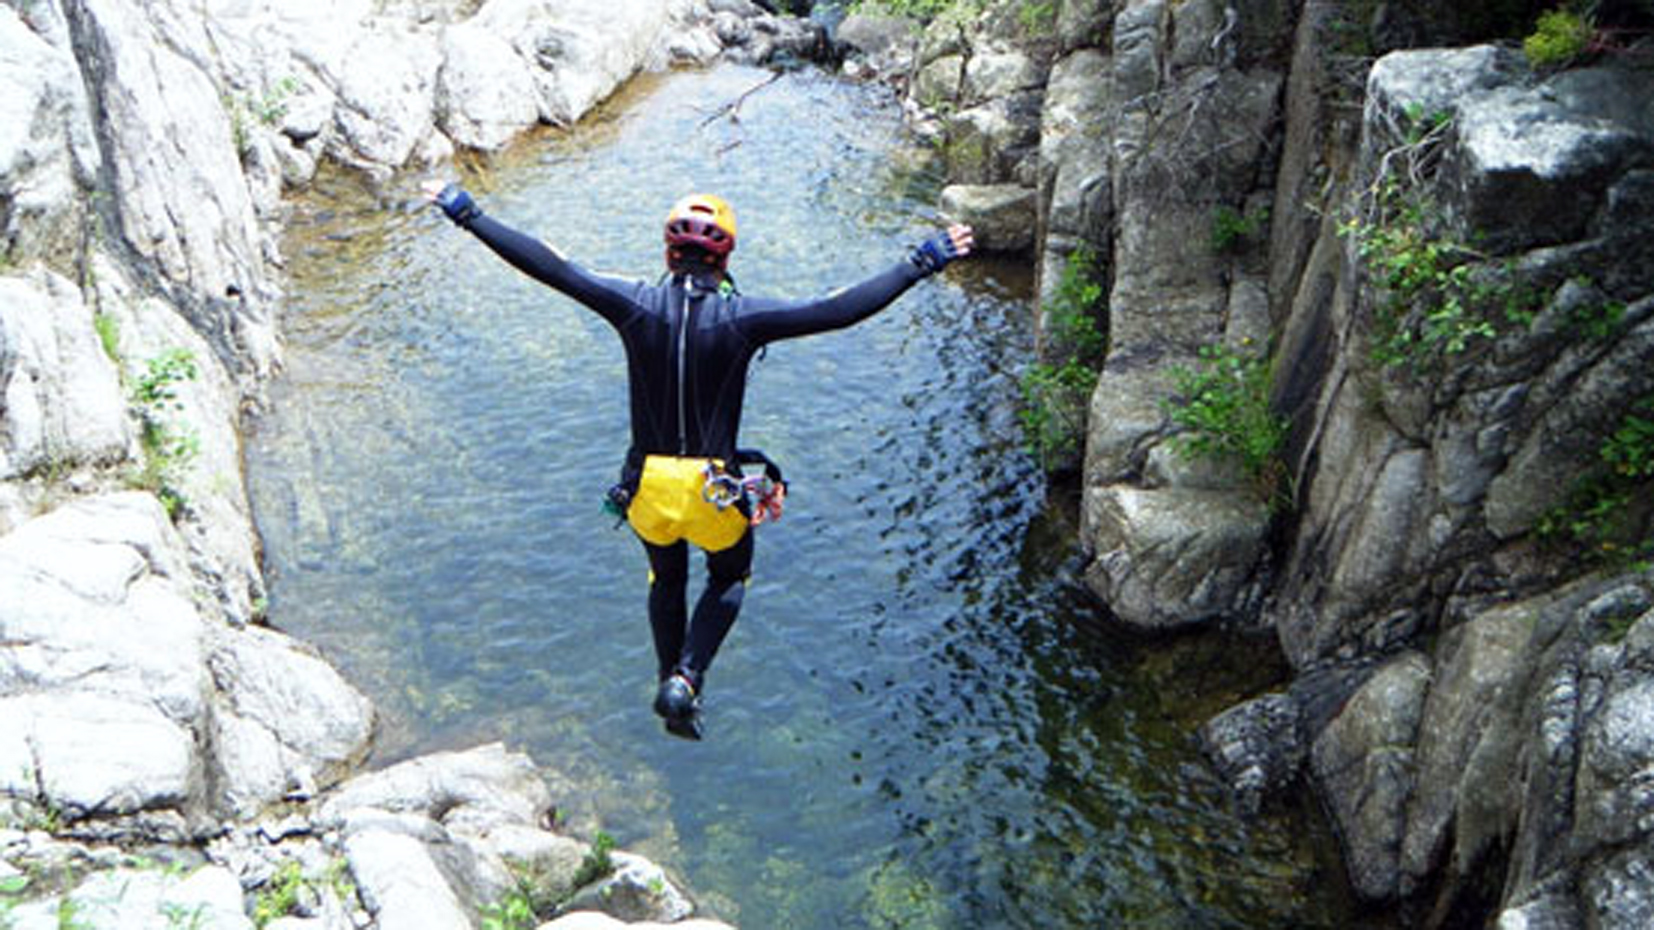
683 345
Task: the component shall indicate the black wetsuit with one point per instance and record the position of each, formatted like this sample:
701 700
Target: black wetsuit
688 346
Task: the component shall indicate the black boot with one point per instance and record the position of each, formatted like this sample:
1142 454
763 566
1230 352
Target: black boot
678 702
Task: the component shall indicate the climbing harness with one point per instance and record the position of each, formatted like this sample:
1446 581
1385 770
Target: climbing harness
761 496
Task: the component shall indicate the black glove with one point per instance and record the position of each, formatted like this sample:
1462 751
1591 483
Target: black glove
934 253
457 204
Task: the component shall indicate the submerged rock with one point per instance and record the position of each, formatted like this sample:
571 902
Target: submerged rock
1256 749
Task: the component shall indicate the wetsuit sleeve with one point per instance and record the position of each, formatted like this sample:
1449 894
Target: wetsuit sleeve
612 298
768 320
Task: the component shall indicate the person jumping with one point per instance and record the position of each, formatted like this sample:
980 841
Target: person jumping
689 340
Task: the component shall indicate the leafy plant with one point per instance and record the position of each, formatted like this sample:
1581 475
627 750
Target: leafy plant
168 450
1055 394
338 871
923 10
1596 320
158 388
1438 294
184 917
280 895
1232 229
597 863
1559 38
109 334
1629 451
1038 17
515 911
1222 407
1607 510
11 887
68 914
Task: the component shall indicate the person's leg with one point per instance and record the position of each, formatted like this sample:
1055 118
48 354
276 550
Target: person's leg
726 584
668 610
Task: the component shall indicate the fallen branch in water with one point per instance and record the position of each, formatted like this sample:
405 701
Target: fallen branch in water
732 109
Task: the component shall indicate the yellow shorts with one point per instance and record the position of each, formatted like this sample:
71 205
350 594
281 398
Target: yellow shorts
671 504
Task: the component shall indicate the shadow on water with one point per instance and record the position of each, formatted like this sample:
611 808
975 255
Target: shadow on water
920 720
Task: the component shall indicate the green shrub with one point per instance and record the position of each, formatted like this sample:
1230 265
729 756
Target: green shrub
1233 230
1055 395
514 911
1560 37
109 334
918 9
1038 17
1436 300
280 895
1607 510
1222 408
168 449
597 863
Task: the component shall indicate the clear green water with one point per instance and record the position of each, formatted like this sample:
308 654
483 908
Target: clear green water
919 720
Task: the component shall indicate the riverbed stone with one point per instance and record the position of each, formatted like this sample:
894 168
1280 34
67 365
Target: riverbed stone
988 141
401 883
584 49
1173 557
877 45
1468 738
1003 216
597 920
990 75
1256 749
637 890
1076 182
1366 763
106 663
287 722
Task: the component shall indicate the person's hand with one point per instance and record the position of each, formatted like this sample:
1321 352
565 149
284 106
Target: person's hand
935 253
433 189
454 201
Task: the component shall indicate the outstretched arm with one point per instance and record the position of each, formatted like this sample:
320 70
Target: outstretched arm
767 321
612 298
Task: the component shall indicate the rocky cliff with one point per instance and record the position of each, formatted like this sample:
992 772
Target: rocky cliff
165 758
1437 262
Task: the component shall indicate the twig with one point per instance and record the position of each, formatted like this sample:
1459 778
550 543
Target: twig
734 106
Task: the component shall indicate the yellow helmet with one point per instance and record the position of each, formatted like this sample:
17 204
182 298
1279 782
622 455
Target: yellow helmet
704 221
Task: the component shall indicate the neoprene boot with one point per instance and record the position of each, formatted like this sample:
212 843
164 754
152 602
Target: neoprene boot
679 705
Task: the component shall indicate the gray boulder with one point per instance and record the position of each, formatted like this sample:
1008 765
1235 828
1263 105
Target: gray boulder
1256 749
1468 740
877 46
1002 215
109 677
180 198
385 110
469 823
127 898
60 392
484 93
1173 557
1365 763
51 154
583 49
1076 192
